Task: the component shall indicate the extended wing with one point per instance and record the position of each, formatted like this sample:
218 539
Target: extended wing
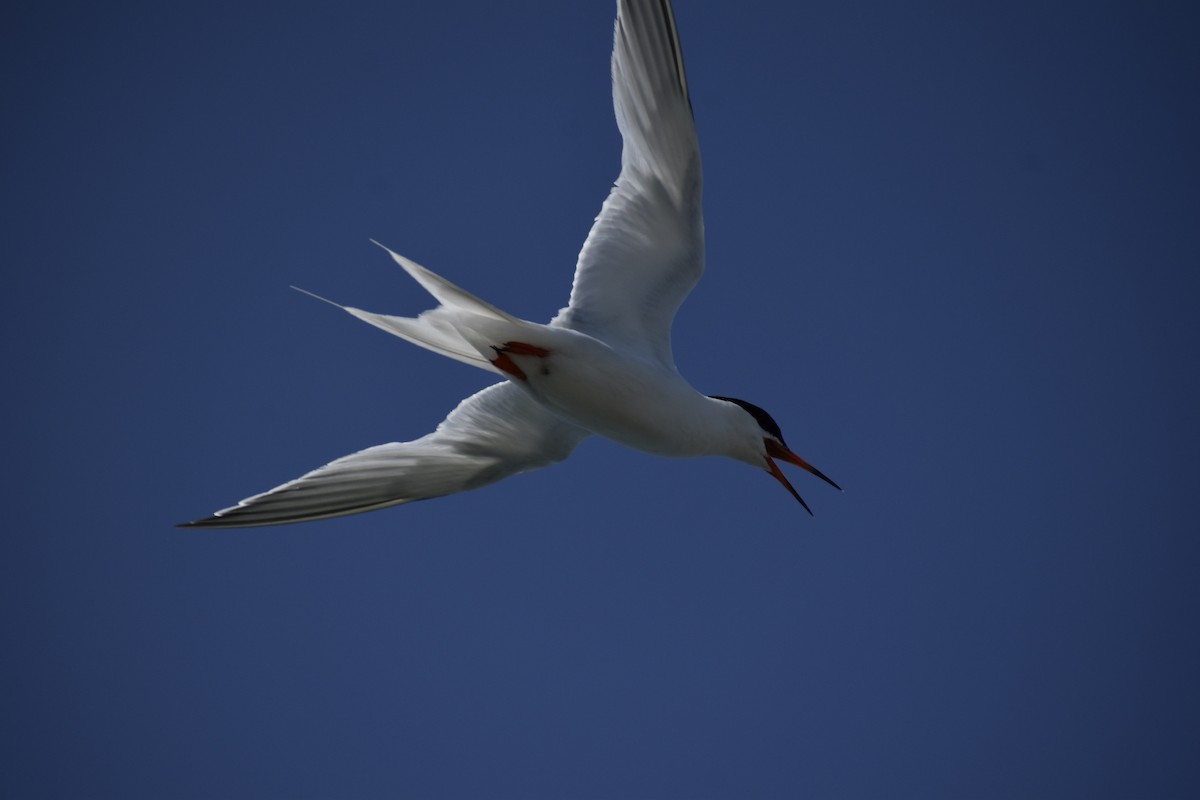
491 435
645 251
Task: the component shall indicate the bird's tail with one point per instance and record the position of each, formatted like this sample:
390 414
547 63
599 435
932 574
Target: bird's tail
440 329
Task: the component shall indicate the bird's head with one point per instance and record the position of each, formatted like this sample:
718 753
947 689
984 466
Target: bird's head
768 445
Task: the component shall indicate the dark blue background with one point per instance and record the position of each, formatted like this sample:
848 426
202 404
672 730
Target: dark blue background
952 249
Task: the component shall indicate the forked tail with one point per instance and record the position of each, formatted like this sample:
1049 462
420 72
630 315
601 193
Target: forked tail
439 329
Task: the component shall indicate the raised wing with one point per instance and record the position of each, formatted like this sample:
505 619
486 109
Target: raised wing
645 251
491 435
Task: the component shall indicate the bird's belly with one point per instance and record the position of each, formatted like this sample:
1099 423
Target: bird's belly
637 403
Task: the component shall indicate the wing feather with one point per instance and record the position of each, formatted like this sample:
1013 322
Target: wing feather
645 251
495 433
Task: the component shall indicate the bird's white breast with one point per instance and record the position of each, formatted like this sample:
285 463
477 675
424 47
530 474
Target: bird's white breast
632 400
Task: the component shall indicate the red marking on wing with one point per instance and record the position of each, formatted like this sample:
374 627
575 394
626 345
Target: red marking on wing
506 364
525 349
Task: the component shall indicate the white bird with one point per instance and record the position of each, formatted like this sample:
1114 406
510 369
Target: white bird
603 365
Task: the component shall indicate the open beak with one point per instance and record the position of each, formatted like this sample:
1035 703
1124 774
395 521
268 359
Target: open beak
776 450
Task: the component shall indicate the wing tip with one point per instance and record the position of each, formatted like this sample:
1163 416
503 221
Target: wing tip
220 519
204 522
666 14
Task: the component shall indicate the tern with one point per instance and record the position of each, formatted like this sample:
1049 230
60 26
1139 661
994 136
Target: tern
602 366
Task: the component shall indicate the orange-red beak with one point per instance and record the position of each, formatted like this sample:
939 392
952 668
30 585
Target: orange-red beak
776 450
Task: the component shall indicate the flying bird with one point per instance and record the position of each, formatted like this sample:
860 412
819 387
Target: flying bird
602 366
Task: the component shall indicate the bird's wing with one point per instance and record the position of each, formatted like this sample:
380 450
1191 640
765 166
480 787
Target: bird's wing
645 251
491 435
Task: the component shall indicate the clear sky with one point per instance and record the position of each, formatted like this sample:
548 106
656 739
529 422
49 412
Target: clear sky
952 249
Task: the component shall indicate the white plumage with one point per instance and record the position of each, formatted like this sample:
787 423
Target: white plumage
603 365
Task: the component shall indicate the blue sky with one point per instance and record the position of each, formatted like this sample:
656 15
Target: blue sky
952 249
